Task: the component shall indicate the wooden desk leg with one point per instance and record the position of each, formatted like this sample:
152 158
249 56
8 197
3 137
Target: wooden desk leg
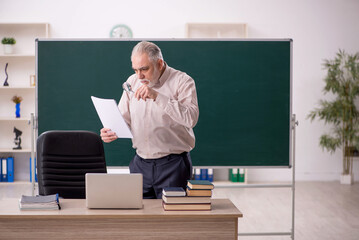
236 231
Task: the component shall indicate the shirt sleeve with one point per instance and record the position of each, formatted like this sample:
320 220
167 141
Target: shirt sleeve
184 110
124 106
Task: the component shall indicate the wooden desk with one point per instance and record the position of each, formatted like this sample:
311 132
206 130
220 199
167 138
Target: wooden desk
75 221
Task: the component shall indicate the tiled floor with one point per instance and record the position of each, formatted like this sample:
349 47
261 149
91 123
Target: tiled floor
323 210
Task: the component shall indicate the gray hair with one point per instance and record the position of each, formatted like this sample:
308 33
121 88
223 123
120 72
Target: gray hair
153 51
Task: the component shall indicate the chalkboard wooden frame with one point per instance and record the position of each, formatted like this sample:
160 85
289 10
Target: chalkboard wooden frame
223 100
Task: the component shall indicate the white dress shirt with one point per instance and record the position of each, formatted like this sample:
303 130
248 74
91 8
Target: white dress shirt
163 126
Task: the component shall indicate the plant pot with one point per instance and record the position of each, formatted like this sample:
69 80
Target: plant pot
347 179
8 49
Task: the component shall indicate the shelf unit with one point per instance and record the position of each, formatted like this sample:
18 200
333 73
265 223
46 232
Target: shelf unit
21 65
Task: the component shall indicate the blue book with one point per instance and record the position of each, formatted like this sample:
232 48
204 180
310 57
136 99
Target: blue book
10 169
31 171
0 169
204 174
4 170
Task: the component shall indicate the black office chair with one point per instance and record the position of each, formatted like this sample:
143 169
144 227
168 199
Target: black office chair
63 159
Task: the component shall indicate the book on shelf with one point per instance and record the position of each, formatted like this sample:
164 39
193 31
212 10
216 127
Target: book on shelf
237 175
4 169
204 174
185 200
49 202
233 174
187 207
197 174
200 184
199 192
241 175
10 169
210 174
173 191
31 170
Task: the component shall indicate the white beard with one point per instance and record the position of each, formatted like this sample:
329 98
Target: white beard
151 84
156 76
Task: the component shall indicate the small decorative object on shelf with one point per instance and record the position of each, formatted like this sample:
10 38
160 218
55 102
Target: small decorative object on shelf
17 139
8 45
32 80
6 84
17 100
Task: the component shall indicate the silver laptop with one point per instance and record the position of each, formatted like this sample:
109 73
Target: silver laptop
113 190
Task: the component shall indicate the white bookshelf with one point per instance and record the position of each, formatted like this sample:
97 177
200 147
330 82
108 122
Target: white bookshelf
21 65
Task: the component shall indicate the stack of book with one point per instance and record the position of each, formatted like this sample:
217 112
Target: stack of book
49 202
198 197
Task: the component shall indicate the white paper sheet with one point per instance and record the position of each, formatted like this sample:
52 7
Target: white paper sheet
111 117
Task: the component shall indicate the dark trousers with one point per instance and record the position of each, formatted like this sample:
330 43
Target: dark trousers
170 171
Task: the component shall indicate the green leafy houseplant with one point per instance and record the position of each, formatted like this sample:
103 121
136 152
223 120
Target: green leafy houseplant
342 81
10 41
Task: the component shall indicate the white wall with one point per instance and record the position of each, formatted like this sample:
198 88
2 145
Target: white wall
318 27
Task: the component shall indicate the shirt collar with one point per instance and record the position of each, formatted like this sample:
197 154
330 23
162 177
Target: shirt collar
164 76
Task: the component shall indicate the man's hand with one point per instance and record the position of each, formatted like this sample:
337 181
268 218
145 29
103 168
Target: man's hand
107 136
145 92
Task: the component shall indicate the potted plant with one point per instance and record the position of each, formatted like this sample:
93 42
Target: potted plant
17 100
342 80
8 45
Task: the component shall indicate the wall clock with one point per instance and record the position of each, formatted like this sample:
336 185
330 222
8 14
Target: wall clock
121 31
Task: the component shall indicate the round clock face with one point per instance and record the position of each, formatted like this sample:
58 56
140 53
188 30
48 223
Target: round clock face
121 31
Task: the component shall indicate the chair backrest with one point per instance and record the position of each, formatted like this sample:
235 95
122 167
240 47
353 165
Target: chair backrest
63 159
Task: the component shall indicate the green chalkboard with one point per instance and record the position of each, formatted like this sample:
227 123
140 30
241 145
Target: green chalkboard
243 87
